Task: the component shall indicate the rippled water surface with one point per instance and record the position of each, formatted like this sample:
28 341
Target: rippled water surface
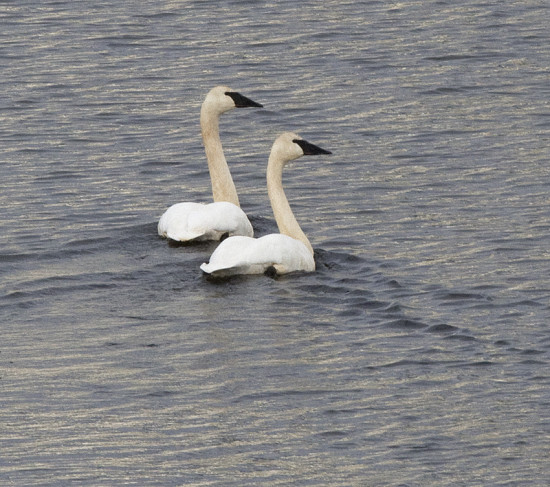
417 354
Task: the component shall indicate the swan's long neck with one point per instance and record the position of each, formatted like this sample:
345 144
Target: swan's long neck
223 188
284 217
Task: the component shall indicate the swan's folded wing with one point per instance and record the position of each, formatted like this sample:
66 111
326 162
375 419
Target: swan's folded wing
174 223
221 217
230 257
195 221
284 253
243 255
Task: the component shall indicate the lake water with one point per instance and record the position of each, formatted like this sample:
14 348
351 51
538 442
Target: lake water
417 354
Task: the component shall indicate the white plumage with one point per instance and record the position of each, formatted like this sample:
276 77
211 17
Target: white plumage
186 222
284 252
246 255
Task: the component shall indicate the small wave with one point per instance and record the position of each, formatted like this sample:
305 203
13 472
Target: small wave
406 324
461 337
407 362
72 286
533 362
23 257
330 259
460 296
531 351
443 90
452 57
442 328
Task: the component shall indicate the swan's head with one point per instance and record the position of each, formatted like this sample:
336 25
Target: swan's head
221 99
289 146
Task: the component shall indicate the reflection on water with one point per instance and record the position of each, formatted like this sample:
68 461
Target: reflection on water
416 354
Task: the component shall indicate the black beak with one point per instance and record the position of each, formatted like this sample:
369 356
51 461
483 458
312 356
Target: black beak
242 101
310 149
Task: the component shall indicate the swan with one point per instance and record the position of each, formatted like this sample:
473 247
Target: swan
280 253
191 221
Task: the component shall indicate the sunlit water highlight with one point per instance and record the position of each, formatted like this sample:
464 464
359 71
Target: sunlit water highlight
417 354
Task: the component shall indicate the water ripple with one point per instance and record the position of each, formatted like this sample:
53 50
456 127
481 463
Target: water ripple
420 343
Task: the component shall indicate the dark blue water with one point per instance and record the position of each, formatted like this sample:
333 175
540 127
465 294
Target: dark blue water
417 354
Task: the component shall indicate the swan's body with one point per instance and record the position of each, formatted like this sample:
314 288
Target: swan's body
247 255
197 221
186 222
284 252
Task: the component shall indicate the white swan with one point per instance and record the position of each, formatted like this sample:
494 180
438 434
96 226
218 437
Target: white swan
186 222
283 252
